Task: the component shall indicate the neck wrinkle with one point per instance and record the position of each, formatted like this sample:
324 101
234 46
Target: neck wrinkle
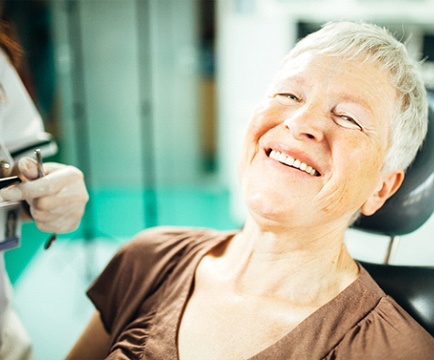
270 265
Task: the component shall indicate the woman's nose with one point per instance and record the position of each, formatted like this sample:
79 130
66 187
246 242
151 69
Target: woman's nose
306 123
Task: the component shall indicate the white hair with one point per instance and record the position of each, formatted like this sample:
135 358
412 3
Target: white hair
373 44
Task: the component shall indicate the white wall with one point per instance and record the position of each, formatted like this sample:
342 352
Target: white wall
250 48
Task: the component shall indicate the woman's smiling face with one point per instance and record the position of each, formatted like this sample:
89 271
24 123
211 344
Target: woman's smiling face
315 147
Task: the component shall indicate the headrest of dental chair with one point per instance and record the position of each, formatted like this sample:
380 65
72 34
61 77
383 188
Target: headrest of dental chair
411 286
413 203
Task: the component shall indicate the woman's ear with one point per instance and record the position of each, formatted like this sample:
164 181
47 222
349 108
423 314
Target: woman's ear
387 186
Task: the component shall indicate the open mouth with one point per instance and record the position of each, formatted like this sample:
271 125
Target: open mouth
290 161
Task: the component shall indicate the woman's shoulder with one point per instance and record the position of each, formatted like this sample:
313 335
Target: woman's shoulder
386 331
162 238
162 233
169 242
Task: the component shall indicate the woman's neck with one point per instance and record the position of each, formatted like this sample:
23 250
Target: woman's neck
294 266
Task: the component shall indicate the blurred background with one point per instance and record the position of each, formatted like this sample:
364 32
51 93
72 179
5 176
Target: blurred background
150 99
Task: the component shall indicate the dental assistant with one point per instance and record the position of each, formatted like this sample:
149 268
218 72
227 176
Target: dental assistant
55 202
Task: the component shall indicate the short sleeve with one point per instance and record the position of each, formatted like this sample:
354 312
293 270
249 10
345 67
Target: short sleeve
135 272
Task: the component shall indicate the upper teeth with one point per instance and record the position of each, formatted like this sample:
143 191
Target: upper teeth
289 160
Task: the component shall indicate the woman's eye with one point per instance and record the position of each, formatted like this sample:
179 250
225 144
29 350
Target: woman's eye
348 122
286 99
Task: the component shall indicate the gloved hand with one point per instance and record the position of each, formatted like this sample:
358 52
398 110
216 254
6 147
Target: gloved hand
57 200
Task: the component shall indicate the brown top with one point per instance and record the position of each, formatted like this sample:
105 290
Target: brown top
143 291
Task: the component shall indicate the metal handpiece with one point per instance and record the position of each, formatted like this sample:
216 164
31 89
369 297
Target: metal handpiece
38 156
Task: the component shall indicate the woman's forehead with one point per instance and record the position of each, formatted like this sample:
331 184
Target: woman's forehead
310 69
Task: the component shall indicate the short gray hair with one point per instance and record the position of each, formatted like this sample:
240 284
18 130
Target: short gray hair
374 44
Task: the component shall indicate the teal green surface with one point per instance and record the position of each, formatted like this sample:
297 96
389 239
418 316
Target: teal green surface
121 213
32 240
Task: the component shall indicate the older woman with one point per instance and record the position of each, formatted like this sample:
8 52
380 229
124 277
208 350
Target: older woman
341 122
